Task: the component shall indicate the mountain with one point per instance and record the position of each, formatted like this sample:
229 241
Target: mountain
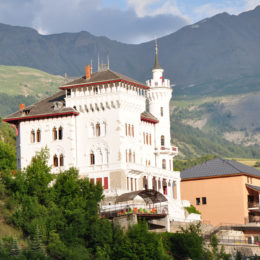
216 56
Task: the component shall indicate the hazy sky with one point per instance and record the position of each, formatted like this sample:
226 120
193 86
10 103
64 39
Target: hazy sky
130 21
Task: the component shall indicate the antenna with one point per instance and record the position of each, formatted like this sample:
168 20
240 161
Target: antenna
98 63
108 62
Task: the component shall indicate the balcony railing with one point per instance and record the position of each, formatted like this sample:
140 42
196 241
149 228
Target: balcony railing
254 219
253 205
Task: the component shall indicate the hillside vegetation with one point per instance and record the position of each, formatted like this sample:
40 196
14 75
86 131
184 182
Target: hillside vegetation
228 126
24 85
40 221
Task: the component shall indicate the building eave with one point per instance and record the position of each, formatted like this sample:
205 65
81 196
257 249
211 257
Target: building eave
103 82
15 119
149 120
220 176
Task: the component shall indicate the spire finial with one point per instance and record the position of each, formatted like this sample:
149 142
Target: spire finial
108 62
98 63
156 63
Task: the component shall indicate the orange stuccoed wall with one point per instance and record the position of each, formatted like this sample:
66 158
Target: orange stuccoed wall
227 198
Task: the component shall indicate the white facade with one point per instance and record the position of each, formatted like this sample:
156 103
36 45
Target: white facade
110 140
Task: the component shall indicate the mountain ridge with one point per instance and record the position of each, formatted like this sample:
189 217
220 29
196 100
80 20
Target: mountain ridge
213 56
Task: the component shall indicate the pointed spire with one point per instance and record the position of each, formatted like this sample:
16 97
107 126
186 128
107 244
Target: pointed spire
156 63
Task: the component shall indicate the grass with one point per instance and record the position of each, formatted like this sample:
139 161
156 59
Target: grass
15 80
247 161
7 230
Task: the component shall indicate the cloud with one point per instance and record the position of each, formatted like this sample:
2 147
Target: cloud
133 25
231 7
251 4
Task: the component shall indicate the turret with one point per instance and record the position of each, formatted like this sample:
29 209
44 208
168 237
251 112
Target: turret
159 97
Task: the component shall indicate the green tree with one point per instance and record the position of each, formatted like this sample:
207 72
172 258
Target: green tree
7 157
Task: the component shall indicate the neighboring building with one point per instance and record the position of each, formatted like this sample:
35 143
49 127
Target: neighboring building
224 191
99 124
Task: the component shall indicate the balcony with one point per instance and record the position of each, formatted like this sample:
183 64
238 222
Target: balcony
172 150
253 205
254 219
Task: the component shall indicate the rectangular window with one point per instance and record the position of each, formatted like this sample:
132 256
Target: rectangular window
106 183
204 200
99 180
197 201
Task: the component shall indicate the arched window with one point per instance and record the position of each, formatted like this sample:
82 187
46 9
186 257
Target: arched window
92 130
162 140
163 163
97 129
133 131
61 160
126 129
60 133
129 130
150 139
130 156
92 158
38 137
55 161
103 129
133 157
54 133
32 136
146 138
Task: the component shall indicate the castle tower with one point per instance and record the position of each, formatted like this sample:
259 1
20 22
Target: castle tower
159 97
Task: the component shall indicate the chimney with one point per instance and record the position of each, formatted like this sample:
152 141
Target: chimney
21 107
88 72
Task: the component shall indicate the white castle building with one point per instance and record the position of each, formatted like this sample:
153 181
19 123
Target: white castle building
99 124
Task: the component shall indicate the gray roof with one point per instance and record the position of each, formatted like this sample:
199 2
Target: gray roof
101 76
53 105
149 196
218 167
256 188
